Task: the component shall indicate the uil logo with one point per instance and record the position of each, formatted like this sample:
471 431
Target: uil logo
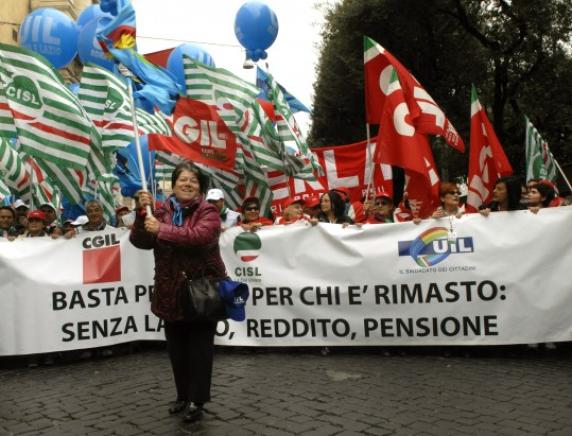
25 97
434 246
247 246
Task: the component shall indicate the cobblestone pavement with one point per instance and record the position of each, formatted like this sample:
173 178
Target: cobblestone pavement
504 391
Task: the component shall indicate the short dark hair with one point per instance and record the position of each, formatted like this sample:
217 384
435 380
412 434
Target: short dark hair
191 167
11 209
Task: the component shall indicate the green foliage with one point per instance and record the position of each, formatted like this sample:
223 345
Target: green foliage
516 52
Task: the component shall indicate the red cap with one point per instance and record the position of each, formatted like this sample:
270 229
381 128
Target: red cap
384 194
312 201
293 200
121 209
36 214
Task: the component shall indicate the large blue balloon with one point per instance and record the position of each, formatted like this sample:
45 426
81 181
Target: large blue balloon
175 61
89 13
88 47
52 34
256 28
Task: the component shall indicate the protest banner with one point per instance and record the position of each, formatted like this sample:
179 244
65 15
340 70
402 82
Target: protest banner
469 281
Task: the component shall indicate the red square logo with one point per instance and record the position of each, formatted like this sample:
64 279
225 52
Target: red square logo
102 265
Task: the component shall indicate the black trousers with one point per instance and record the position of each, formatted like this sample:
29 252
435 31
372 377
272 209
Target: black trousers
191 350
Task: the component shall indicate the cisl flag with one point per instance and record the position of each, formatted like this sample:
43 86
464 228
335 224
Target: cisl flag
428 117
487 160
200 135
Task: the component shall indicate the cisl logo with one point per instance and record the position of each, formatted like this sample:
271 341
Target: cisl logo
247 246
101 259
434 245
23 92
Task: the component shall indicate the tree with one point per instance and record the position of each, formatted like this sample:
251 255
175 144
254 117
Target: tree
515 52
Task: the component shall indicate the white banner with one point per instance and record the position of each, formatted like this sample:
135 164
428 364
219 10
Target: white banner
470 281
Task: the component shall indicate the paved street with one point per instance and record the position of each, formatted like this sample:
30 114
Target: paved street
504 391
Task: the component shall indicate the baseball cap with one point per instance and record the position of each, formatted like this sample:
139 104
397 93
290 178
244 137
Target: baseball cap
80 221
312 201
234 296
36 215
384 194
215 194
121 209
294 200
19 203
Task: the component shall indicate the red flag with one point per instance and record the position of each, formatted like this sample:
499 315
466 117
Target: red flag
487 159
400 144
428 117
200 135
344 165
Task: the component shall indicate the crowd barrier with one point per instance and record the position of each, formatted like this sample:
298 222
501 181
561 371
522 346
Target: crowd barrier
504 279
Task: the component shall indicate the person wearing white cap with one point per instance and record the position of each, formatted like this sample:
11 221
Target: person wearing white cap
229 218
21 209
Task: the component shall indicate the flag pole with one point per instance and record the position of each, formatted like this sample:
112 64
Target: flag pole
561 171
137 142
369 159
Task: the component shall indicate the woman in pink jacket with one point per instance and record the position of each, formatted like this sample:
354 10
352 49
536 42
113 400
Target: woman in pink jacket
183 234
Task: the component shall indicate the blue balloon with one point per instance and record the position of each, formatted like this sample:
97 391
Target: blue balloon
175 60
50 33
256 28
90 13
88 46
127 168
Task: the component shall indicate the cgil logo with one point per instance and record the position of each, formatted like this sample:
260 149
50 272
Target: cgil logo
434 246
101 259
247 246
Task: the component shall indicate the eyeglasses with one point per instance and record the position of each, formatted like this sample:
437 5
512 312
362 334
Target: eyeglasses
251 209
454 192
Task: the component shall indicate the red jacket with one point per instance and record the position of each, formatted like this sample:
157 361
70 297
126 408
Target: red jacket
192 248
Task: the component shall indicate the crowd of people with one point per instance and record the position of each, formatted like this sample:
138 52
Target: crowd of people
184 232
19 220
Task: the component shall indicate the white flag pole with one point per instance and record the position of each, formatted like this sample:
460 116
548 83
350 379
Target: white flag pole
561 171
137 142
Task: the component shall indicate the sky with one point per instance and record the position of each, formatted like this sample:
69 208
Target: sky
291 59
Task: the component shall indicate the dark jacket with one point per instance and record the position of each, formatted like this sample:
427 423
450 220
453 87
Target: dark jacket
191 249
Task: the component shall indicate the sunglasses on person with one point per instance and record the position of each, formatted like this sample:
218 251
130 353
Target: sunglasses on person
382 203
454 192
251 209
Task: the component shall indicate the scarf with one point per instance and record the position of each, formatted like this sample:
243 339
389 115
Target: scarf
177 212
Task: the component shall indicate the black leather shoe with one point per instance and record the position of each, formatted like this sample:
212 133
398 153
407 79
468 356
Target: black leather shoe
194 413
178 406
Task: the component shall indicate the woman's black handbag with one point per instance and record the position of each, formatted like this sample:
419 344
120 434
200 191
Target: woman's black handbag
201 300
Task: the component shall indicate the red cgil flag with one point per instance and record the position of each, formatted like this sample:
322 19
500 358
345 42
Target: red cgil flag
428 117
200 135
399 143
487 159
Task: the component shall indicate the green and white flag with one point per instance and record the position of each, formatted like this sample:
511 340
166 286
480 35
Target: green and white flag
153 123
107 184
540 164
235 101
105 98
51 123
4 190
13 169
298 155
